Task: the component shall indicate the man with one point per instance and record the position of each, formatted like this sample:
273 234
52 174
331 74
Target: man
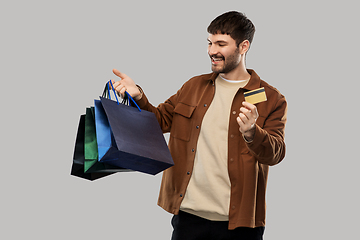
221 145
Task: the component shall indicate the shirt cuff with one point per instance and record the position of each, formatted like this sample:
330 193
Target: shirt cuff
247 140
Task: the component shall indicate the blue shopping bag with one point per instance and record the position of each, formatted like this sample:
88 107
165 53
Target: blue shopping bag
104 137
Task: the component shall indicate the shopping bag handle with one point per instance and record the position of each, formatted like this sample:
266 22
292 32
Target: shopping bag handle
117 100
106 93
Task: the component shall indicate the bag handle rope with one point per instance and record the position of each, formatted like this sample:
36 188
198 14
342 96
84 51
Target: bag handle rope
127 96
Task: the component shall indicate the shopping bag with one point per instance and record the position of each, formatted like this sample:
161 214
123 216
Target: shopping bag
91 163
137 141
105 140
77 168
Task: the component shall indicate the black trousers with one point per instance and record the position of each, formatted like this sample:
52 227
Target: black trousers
190 227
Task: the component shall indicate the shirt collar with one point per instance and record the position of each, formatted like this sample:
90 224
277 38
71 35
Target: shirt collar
254 82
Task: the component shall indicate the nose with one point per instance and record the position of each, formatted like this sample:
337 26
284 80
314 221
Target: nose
212 49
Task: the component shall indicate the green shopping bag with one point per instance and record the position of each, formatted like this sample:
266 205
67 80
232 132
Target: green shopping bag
90 145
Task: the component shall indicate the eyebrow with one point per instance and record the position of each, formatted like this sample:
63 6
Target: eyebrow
220 41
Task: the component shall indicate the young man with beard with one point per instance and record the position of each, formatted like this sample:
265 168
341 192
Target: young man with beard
221 145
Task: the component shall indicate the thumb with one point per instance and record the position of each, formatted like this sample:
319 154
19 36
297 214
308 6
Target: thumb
119 74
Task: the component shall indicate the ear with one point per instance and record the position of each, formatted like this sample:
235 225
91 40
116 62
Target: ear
244 46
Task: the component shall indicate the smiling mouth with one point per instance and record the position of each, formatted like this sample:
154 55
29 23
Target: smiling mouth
216 60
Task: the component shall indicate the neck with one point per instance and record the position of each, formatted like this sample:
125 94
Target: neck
238 73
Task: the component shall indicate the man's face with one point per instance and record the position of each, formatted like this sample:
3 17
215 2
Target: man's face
224 54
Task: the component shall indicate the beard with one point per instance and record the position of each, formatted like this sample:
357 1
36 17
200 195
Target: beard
228 64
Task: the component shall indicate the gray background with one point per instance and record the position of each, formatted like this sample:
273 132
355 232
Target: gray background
57 55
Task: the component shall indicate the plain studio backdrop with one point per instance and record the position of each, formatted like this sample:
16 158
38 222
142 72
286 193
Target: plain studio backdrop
56 57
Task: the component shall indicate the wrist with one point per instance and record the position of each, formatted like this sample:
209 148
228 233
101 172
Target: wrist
139 96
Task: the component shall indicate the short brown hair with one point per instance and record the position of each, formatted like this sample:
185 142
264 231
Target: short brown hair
235 24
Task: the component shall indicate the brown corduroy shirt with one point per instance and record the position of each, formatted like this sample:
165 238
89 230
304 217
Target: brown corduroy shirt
248 163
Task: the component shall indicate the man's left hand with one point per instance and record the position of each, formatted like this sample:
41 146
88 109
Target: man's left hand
247 120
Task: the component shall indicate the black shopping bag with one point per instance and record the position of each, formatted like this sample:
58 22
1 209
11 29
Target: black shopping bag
139 139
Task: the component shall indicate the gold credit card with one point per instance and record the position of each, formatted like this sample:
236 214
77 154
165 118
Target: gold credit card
255 96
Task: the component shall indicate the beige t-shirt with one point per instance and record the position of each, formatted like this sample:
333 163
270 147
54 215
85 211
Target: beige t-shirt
208 192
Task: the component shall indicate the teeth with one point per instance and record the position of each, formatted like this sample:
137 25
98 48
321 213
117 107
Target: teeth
217 59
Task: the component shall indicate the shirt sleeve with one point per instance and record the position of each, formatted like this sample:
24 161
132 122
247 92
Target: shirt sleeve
268 145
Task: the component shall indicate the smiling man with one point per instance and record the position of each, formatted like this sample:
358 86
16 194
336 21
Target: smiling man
222 146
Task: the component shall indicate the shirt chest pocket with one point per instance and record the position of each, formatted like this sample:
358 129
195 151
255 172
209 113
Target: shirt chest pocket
182 121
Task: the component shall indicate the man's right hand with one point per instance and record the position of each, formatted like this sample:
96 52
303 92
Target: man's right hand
126 84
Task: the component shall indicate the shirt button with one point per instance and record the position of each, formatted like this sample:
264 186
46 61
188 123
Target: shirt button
197 127
193 150
205 105
188 173
232 136
234 112
181 195
233 207
231 159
